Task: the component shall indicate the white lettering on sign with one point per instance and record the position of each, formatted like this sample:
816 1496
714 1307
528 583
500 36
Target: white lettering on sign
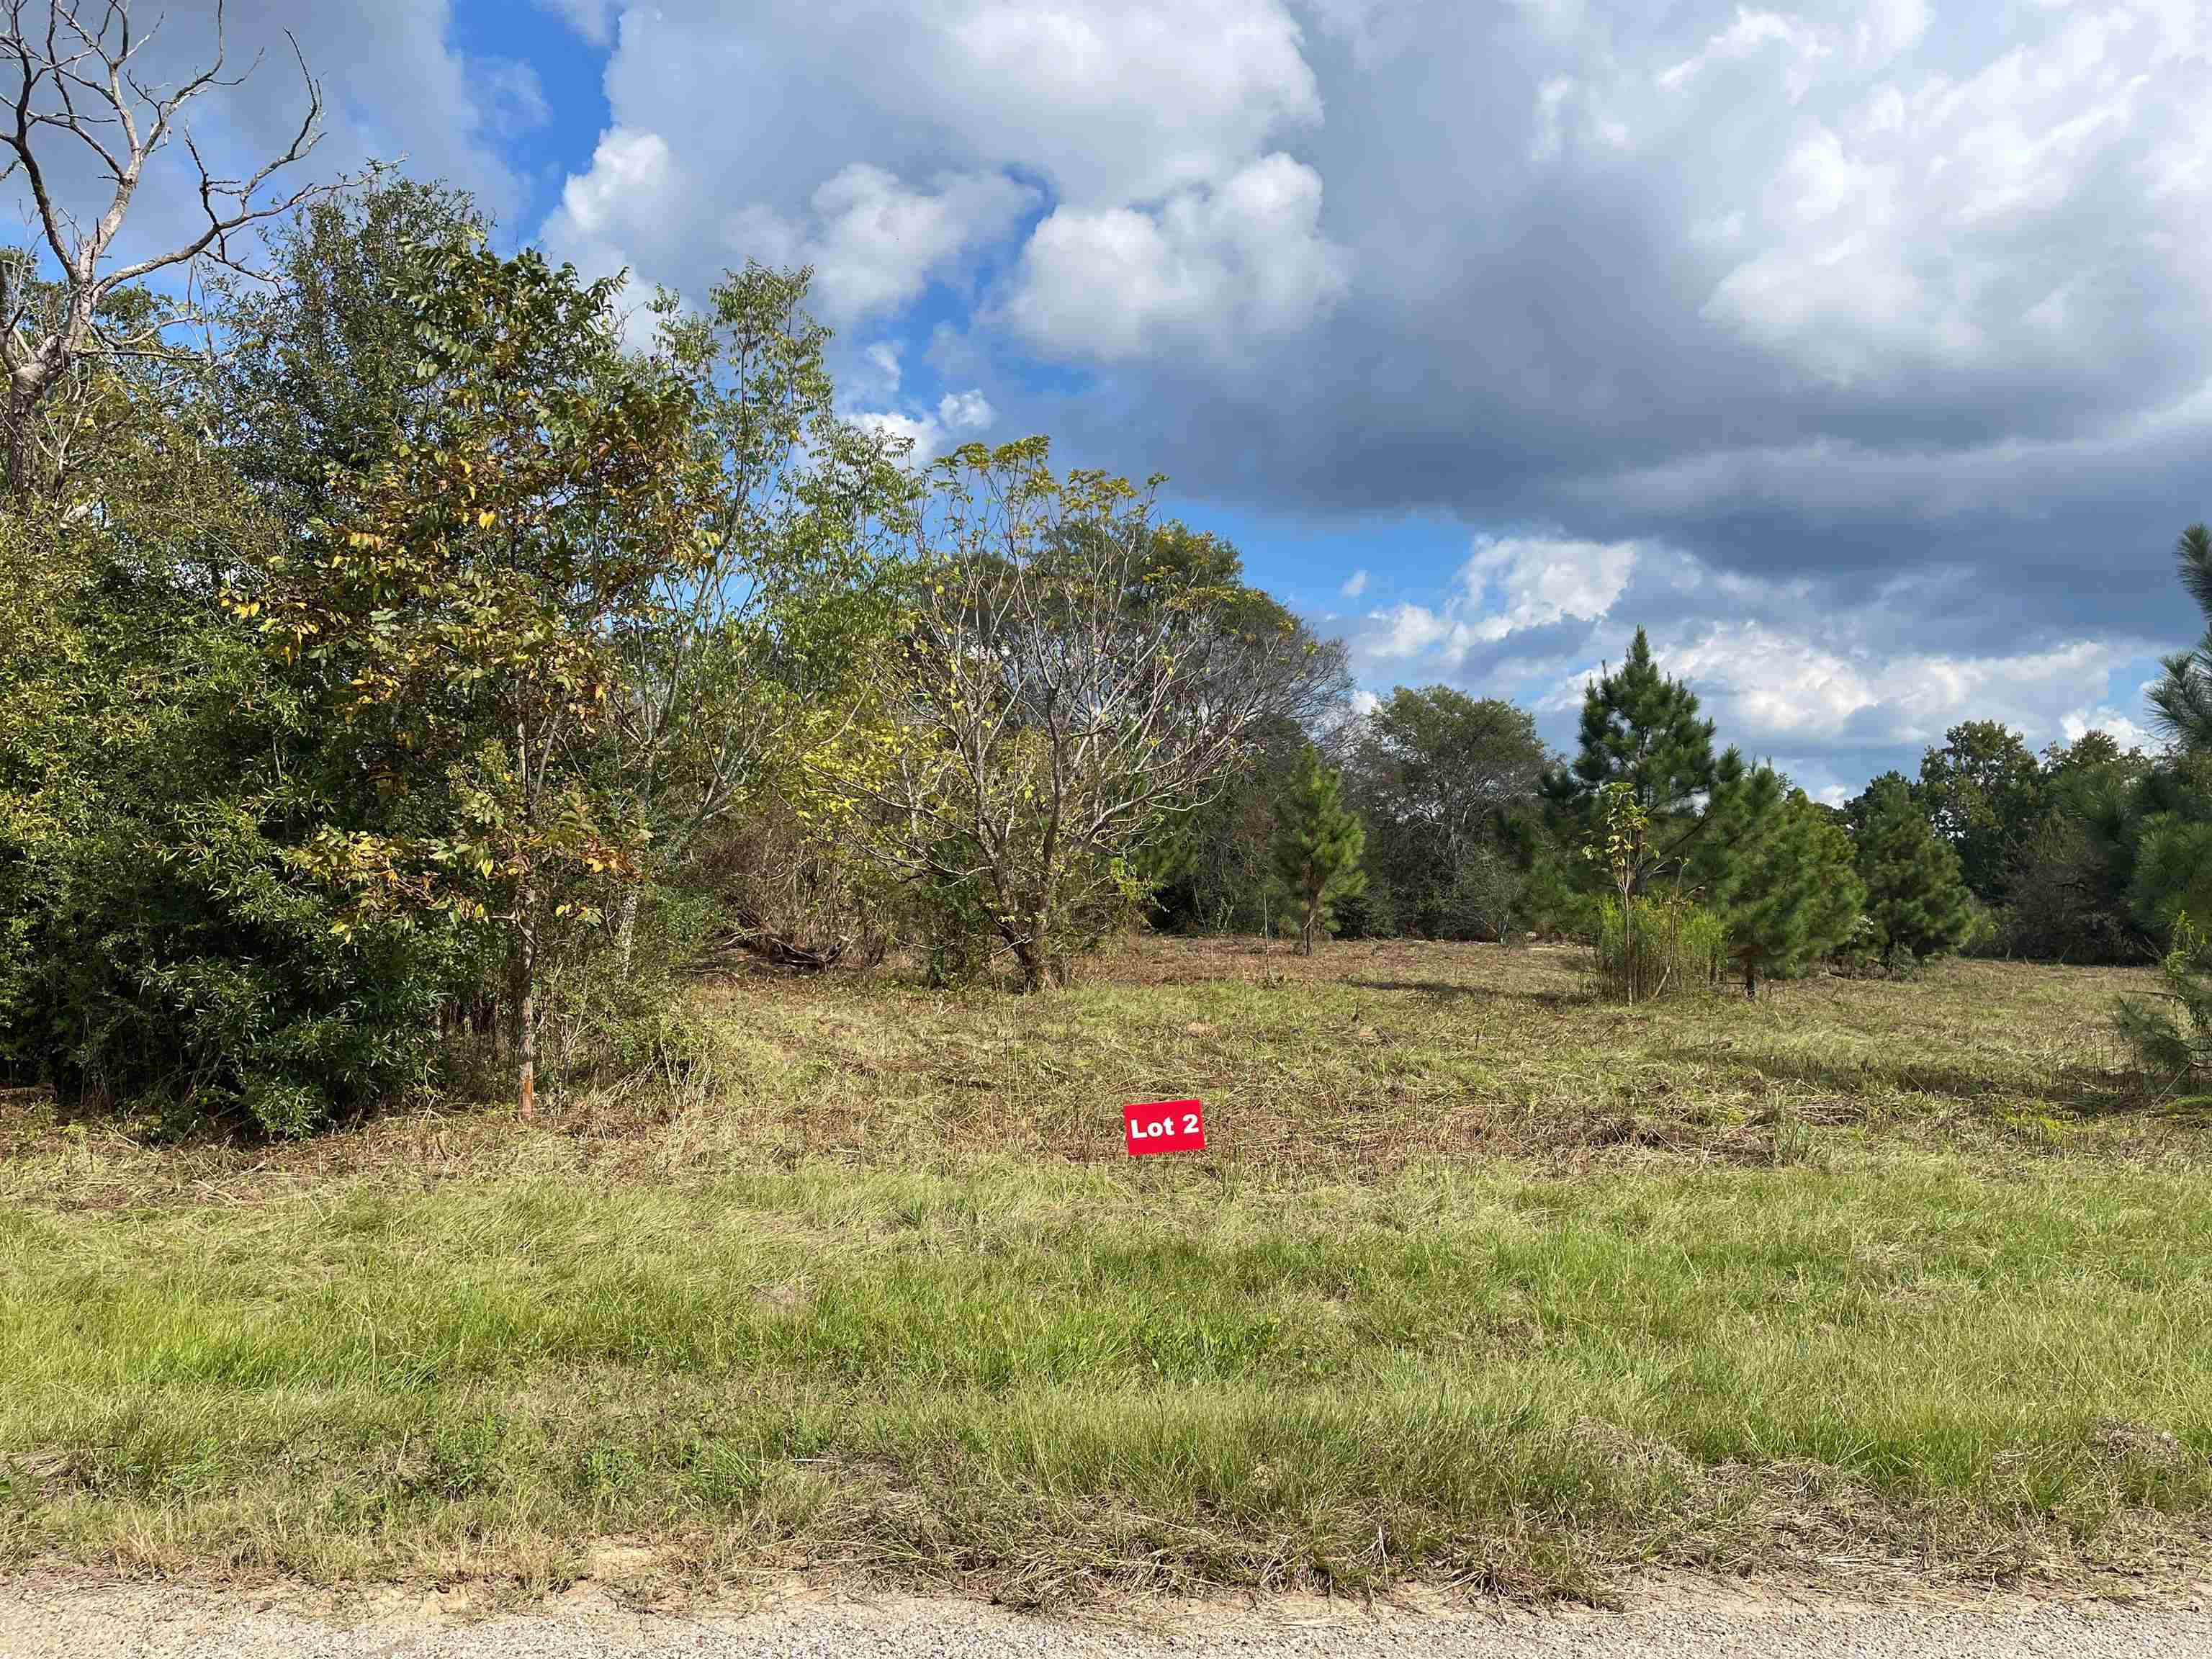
1165 1126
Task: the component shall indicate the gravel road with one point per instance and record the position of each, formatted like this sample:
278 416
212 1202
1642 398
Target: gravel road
55 1620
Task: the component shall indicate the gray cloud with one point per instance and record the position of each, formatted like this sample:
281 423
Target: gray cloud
1862 292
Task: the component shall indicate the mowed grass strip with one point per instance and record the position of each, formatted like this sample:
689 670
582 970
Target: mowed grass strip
1027 1373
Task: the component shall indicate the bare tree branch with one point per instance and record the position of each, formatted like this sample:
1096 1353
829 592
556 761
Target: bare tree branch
76 78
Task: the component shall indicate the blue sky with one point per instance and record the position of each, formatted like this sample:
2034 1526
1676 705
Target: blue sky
1857 350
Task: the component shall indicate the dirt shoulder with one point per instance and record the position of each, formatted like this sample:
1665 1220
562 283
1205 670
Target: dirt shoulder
68 1615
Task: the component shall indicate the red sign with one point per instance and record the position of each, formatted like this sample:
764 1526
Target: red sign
1164 1125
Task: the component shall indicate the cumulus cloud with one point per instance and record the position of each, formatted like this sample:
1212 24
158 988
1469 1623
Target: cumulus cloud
959 417
965 411
1823 690
1779 688
2123 725
1151 132
635 181
874 241
1209 266
1532 581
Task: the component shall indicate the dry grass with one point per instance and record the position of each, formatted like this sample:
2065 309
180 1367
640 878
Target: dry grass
1351 1063
1481 1280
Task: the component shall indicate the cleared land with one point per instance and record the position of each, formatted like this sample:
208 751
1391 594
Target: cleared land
1483 1280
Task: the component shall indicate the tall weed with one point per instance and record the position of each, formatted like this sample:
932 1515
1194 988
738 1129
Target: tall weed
1662 944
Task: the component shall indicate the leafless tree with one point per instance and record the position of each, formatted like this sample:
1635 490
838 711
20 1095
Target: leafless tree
77 83
1045 721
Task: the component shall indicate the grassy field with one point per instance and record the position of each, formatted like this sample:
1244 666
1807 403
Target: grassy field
1480 1279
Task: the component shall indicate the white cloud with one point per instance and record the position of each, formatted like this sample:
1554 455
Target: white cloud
1530 581
874 241
1402 635
1153 125
2122 725
1111 101
1354 585
1206 267
1782 673
1753 35
882 373
965 411
924 436
594 19
1780 687
959 417
635 180
1936 222
1509 584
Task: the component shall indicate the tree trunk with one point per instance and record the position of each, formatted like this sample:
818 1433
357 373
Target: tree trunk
1306 928
1628 942
523 992
18 443
1750 980
1034 951
626 930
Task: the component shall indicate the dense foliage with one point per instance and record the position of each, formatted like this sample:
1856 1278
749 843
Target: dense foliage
1446 784
1778 875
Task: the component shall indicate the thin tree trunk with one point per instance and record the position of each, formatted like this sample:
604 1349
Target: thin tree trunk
1035 954
524 993
18 438
626 930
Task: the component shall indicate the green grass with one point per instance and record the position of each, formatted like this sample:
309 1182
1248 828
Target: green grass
1481 1281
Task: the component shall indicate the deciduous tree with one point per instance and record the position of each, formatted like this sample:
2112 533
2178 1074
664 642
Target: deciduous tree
1043 724
462 617
1448 785
1982 791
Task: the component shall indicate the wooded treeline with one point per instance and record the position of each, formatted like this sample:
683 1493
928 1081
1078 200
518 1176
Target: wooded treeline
420 661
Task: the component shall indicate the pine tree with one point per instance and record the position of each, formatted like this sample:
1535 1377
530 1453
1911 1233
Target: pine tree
1777 875
2181 703
1914 897
1642 730
2155 833
1317 847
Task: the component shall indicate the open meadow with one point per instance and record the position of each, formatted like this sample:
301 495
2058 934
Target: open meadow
1481 1280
